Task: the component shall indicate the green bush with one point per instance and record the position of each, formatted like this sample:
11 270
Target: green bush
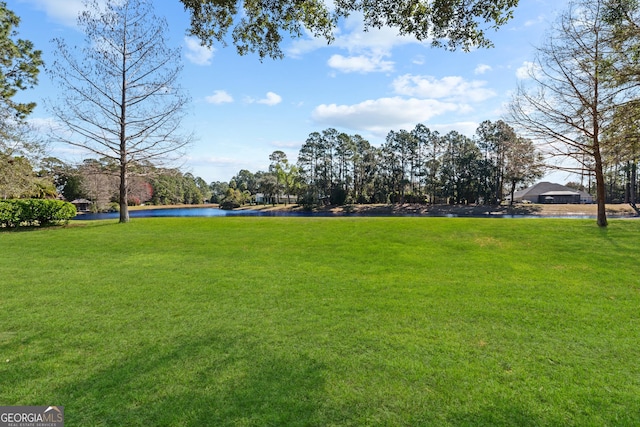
9 214
229 205
32 212
233 199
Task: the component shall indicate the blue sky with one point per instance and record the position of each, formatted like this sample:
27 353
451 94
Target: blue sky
365 83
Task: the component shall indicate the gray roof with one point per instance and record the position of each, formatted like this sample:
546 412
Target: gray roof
540 188
548 187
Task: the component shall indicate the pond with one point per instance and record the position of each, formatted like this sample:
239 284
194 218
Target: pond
192 212
215 212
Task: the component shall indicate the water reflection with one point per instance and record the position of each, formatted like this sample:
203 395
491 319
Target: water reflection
215 212
193 212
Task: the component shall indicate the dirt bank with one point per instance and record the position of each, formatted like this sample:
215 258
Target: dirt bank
617 210
621 210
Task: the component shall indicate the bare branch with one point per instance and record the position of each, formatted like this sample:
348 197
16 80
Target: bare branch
122 100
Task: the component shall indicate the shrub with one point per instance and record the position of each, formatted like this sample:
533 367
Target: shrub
31 212
229 204
233 199
9 214
338 196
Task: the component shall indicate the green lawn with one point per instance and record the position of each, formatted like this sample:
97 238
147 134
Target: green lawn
324 321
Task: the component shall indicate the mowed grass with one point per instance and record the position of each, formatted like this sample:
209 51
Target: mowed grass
324 322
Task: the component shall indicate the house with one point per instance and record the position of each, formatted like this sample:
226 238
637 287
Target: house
261 198
549 192
559 197
82 205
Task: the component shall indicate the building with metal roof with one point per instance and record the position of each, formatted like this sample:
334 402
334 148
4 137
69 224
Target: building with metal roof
549 192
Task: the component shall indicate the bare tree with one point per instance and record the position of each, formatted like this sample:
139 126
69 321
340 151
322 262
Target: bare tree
120 95
572 97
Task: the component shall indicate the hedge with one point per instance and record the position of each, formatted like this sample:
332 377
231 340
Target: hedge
32 212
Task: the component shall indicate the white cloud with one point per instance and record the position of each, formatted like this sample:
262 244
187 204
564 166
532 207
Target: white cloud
216 161
54 132
49 127
419 99
271 99
450 87
381 115
482 68
538 20
301 46
379 41
219 97
43 124
527 70
65 12
360 64
287 144
366 48
419 60
196 53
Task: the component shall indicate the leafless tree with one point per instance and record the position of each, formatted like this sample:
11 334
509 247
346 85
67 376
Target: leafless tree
570 98
120 96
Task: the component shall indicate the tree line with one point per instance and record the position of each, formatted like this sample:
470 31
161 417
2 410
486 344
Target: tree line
581 101
417 166
120 94
98 181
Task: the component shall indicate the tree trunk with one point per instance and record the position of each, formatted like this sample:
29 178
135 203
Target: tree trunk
600 190
634 179
513 191
124 206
